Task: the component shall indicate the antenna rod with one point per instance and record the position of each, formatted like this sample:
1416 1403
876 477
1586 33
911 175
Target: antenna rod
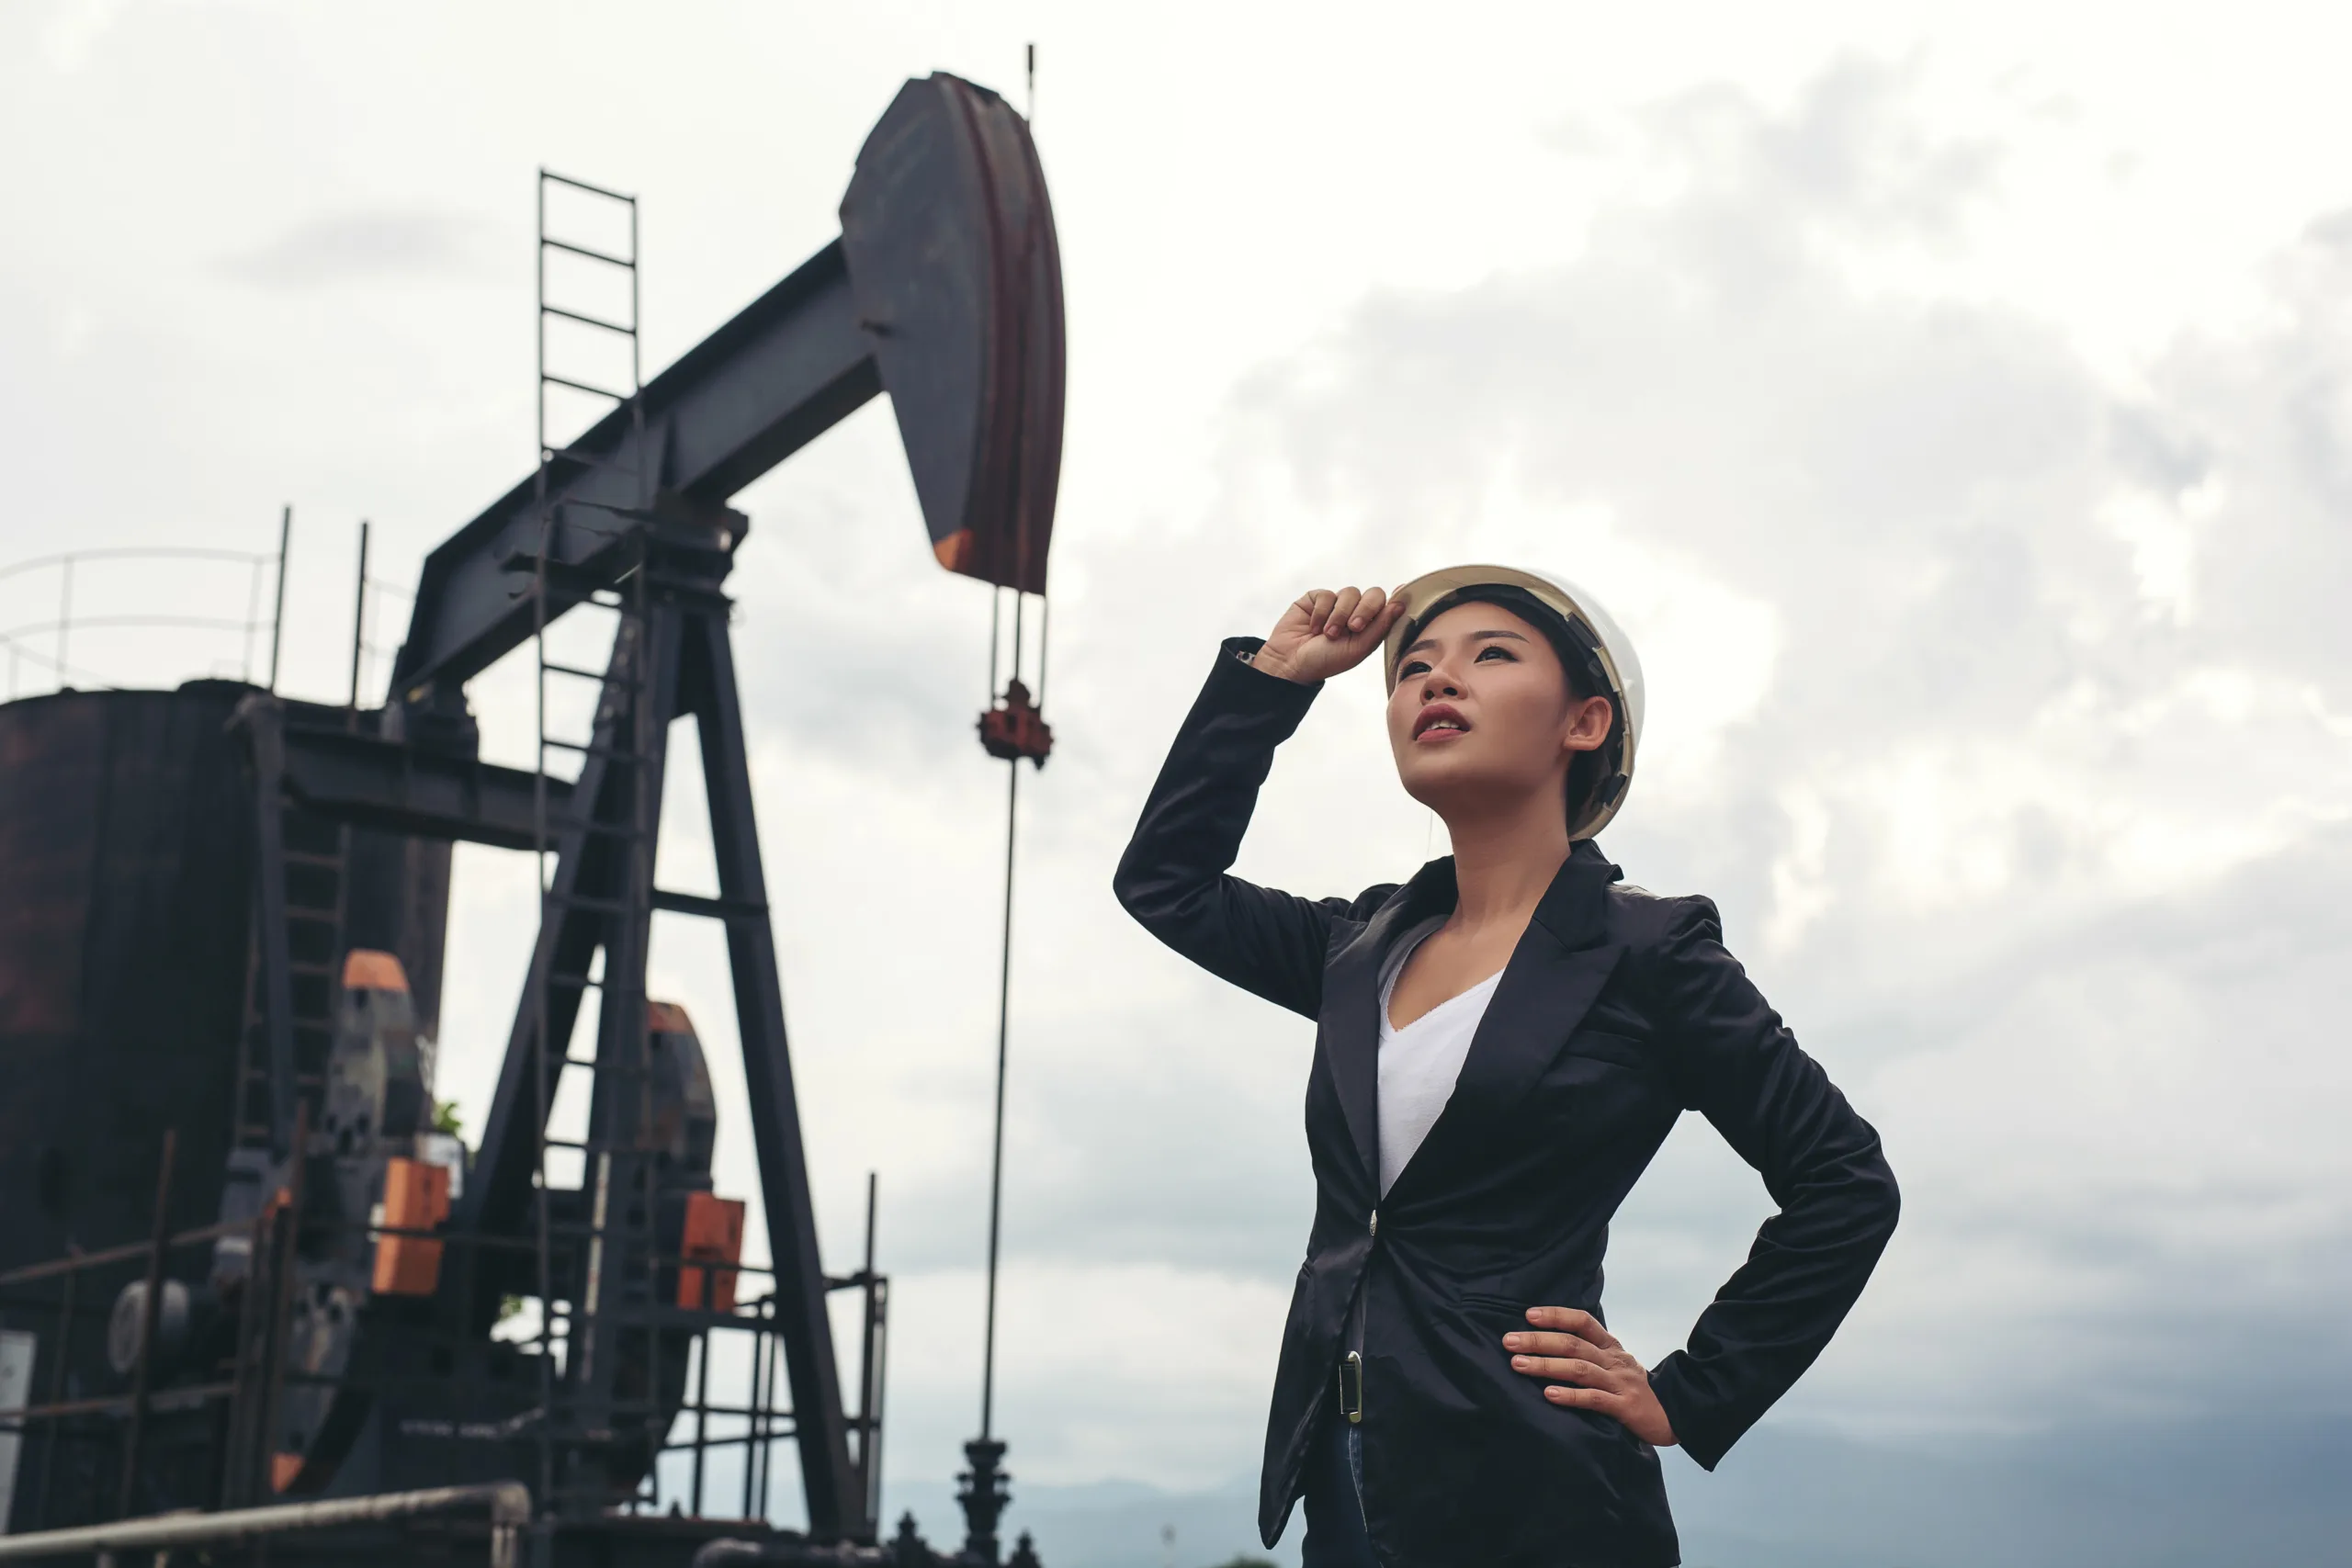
359 624
1044 625
278 617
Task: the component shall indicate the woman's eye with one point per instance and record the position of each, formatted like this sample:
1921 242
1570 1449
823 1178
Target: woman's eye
1412 667
1498 652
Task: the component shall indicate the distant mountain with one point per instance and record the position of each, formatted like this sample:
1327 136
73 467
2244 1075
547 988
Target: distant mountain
1111 1524
2204 1494
2177 1495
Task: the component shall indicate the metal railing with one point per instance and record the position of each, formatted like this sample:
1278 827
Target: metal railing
40 652
117 1433
45 644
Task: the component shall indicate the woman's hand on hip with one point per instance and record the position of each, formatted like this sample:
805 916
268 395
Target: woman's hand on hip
1583 1367
1325 632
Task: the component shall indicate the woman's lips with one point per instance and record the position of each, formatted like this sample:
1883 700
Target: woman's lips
1438 724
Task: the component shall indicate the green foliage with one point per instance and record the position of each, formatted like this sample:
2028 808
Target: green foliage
446 1118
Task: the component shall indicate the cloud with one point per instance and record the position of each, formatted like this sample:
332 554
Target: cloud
2017 801
370 247
75 30
2053 715
1851 153
1995 696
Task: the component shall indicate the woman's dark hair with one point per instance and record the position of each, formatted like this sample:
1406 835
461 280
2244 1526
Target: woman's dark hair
1591 770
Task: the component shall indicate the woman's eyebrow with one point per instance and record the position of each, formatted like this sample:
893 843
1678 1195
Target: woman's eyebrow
1474 636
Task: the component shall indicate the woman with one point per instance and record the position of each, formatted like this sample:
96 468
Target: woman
1503 1042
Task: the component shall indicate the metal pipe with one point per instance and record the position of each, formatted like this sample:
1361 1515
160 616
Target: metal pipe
869 1375
65 617
252 622
768 1423
508 1503
130 552
996 635
358 627
1003 1038
879 1305
751 1423
185 1396
277 619
702 1413
284 1255
729 1552
636 348
63 1351
1045 626
73 1263
142 1372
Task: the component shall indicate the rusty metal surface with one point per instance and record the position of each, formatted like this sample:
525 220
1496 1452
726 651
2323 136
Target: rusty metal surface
955 270
945 291
123 947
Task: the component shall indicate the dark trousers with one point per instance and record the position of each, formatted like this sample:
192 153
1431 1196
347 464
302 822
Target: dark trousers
1334 1500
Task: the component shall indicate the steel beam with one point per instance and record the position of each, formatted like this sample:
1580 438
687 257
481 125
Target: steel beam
498 1192
835 1494
792 365
369 782
945 291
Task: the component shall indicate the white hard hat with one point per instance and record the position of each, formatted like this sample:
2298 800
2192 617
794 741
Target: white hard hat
1613 652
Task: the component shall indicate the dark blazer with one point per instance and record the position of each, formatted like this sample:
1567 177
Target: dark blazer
1618 1011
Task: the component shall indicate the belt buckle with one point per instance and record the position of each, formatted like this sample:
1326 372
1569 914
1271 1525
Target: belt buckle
1351 1365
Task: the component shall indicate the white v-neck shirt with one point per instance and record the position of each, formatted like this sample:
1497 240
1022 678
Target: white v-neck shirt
1420 1062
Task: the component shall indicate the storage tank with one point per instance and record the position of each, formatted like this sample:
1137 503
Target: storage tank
126 874
126 833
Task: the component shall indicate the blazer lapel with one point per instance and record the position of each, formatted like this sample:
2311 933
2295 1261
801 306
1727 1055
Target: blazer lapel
1544 994
1350 1021
1553 976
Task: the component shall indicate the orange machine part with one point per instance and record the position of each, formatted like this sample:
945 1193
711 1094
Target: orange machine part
365 969
714 1235
1016 728
416 1198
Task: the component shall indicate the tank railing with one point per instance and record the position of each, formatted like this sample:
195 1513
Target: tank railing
375 657
763 1420
47 643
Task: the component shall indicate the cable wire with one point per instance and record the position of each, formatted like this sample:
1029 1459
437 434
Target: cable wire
996 1158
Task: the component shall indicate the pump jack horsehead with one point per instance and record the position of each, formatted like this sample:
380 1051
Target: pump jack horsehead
944 291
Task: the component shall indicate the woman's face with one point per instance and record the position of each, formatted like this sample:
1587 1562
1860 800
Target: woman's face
1482 717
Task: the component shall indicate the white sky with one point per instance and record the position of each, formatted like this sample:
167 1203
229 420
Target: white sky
1950 400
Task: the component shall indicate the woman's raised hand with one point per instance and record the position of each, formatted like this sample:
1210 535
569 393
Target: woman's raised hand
1324 633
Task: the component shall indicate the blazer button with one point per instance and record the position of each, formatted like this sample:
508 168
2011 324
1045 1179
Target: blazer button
1375 1221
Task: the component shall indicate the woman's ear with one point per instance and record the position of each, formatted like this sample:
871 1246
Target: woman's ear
1589 725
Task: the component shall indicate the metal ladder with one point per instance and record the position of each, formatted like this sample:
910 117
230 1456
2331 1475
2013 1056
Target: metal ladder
603 1225
313 863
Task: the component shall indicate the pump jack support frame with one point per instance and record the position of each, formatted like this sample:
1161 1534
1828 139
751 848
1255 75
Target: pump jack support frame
943 290
690 671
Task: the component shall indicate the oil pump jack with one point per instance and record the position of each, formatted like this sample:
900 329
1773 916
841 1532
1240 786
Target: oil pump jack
305 1345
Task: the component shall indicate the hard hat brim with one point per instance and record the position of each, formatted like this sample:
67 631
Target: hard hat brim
1613 649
